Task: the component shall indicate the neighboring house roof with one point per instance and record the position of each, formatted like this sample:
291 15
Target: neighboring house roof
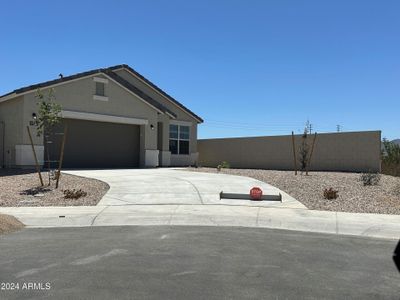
109 73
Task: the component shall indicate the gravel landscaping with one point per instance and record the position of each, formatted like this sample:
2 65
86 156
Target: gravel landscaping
22 188
383 198
9 224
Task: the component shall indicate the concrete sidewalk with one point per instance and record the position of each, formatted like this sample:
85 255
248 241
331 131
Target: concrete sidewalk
368 225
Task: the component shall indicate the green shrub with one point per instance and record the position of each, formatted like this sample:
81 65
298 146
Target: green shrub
390 158
391 152
392 169
223 165
370 178
330 194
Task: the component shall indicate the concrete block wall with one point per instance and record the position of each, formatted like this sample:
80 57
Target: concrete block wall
344 151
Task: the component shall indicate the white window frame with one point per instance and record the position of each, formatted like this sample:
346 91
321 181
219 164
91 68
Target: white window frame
178 139
99 79
104 81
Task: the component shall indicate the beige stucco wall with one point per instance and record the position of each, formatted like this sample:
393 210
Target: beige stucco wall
181 114
78 96
11 114
350 151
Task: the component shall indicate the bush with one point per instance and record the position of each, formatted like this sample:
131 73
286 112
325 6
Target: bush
330 194
223 165
370 178
390 158
74 194
391 152
390 168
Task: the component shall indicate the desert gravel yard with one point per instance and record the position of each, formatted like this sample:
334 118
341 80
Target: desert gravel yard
21 188
383 198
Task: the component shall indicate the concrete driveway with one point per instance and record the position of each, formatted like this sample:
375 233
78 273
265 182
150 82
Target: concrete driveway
180 197
177 186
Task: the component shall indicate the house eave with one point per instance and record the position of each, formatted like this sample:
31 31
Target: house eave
164 95
8 97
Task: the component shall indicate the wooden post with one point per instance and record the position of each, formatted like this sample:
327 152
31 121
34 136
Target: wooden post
311 153
47 142
294 154
35 157
61 155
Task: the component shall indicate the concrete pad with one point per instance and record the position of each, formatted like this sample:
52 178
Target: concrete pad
176 186
368 224
69 216
150 198
136 215
298 219
213 215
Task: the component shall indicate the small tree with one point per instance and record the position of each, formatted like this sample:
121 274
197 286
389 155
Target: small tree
48 117
390 152
304 150
390 158
49 112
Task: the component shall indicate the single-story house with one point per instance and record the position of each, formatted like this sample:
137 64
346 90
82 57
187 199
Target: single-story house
116 119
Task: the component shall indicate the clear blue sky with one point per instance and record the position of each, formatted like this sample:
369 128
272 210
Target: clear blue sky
247 67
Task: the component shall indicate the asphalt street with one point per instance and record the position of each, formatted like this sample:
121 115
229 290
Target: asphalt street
164 262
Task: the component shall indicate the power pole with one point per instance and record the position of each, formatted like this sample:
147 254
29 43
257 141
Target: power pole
310 128
338 128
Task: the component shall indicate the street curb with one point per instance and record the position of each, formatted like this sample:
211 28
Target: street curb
339 223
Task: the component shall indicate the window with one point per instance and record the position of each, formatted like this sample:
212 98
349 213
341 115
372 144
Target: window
179 137
100 89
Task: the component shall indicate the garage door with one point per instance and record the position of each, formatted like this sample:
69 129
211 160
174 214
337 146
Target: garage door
92 144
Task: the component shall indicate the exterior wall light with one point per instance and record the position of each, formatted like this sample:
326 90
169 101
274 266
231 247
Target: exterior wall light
34 120
151 126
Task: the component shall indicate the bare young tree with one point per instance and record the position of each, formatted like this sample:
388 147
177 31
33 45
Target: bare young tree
304 149
49 115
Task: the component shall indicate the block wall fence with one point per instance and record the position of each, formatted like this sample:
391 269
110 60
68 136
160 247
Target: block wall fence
343 151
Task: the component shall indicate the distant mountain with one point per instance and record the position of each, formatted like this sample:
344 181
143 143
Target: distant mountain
397 141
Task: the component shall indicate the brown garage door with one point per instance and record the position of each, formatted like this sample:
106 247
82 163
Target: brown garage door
92 144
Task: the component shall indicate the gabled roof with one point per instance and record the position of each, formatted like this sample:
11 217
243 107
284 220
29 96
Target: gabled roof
109 73
138 92
124 66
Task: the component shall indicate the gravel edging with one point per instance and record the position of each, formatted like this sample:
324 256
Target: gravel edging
383 198
9 224
17 188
